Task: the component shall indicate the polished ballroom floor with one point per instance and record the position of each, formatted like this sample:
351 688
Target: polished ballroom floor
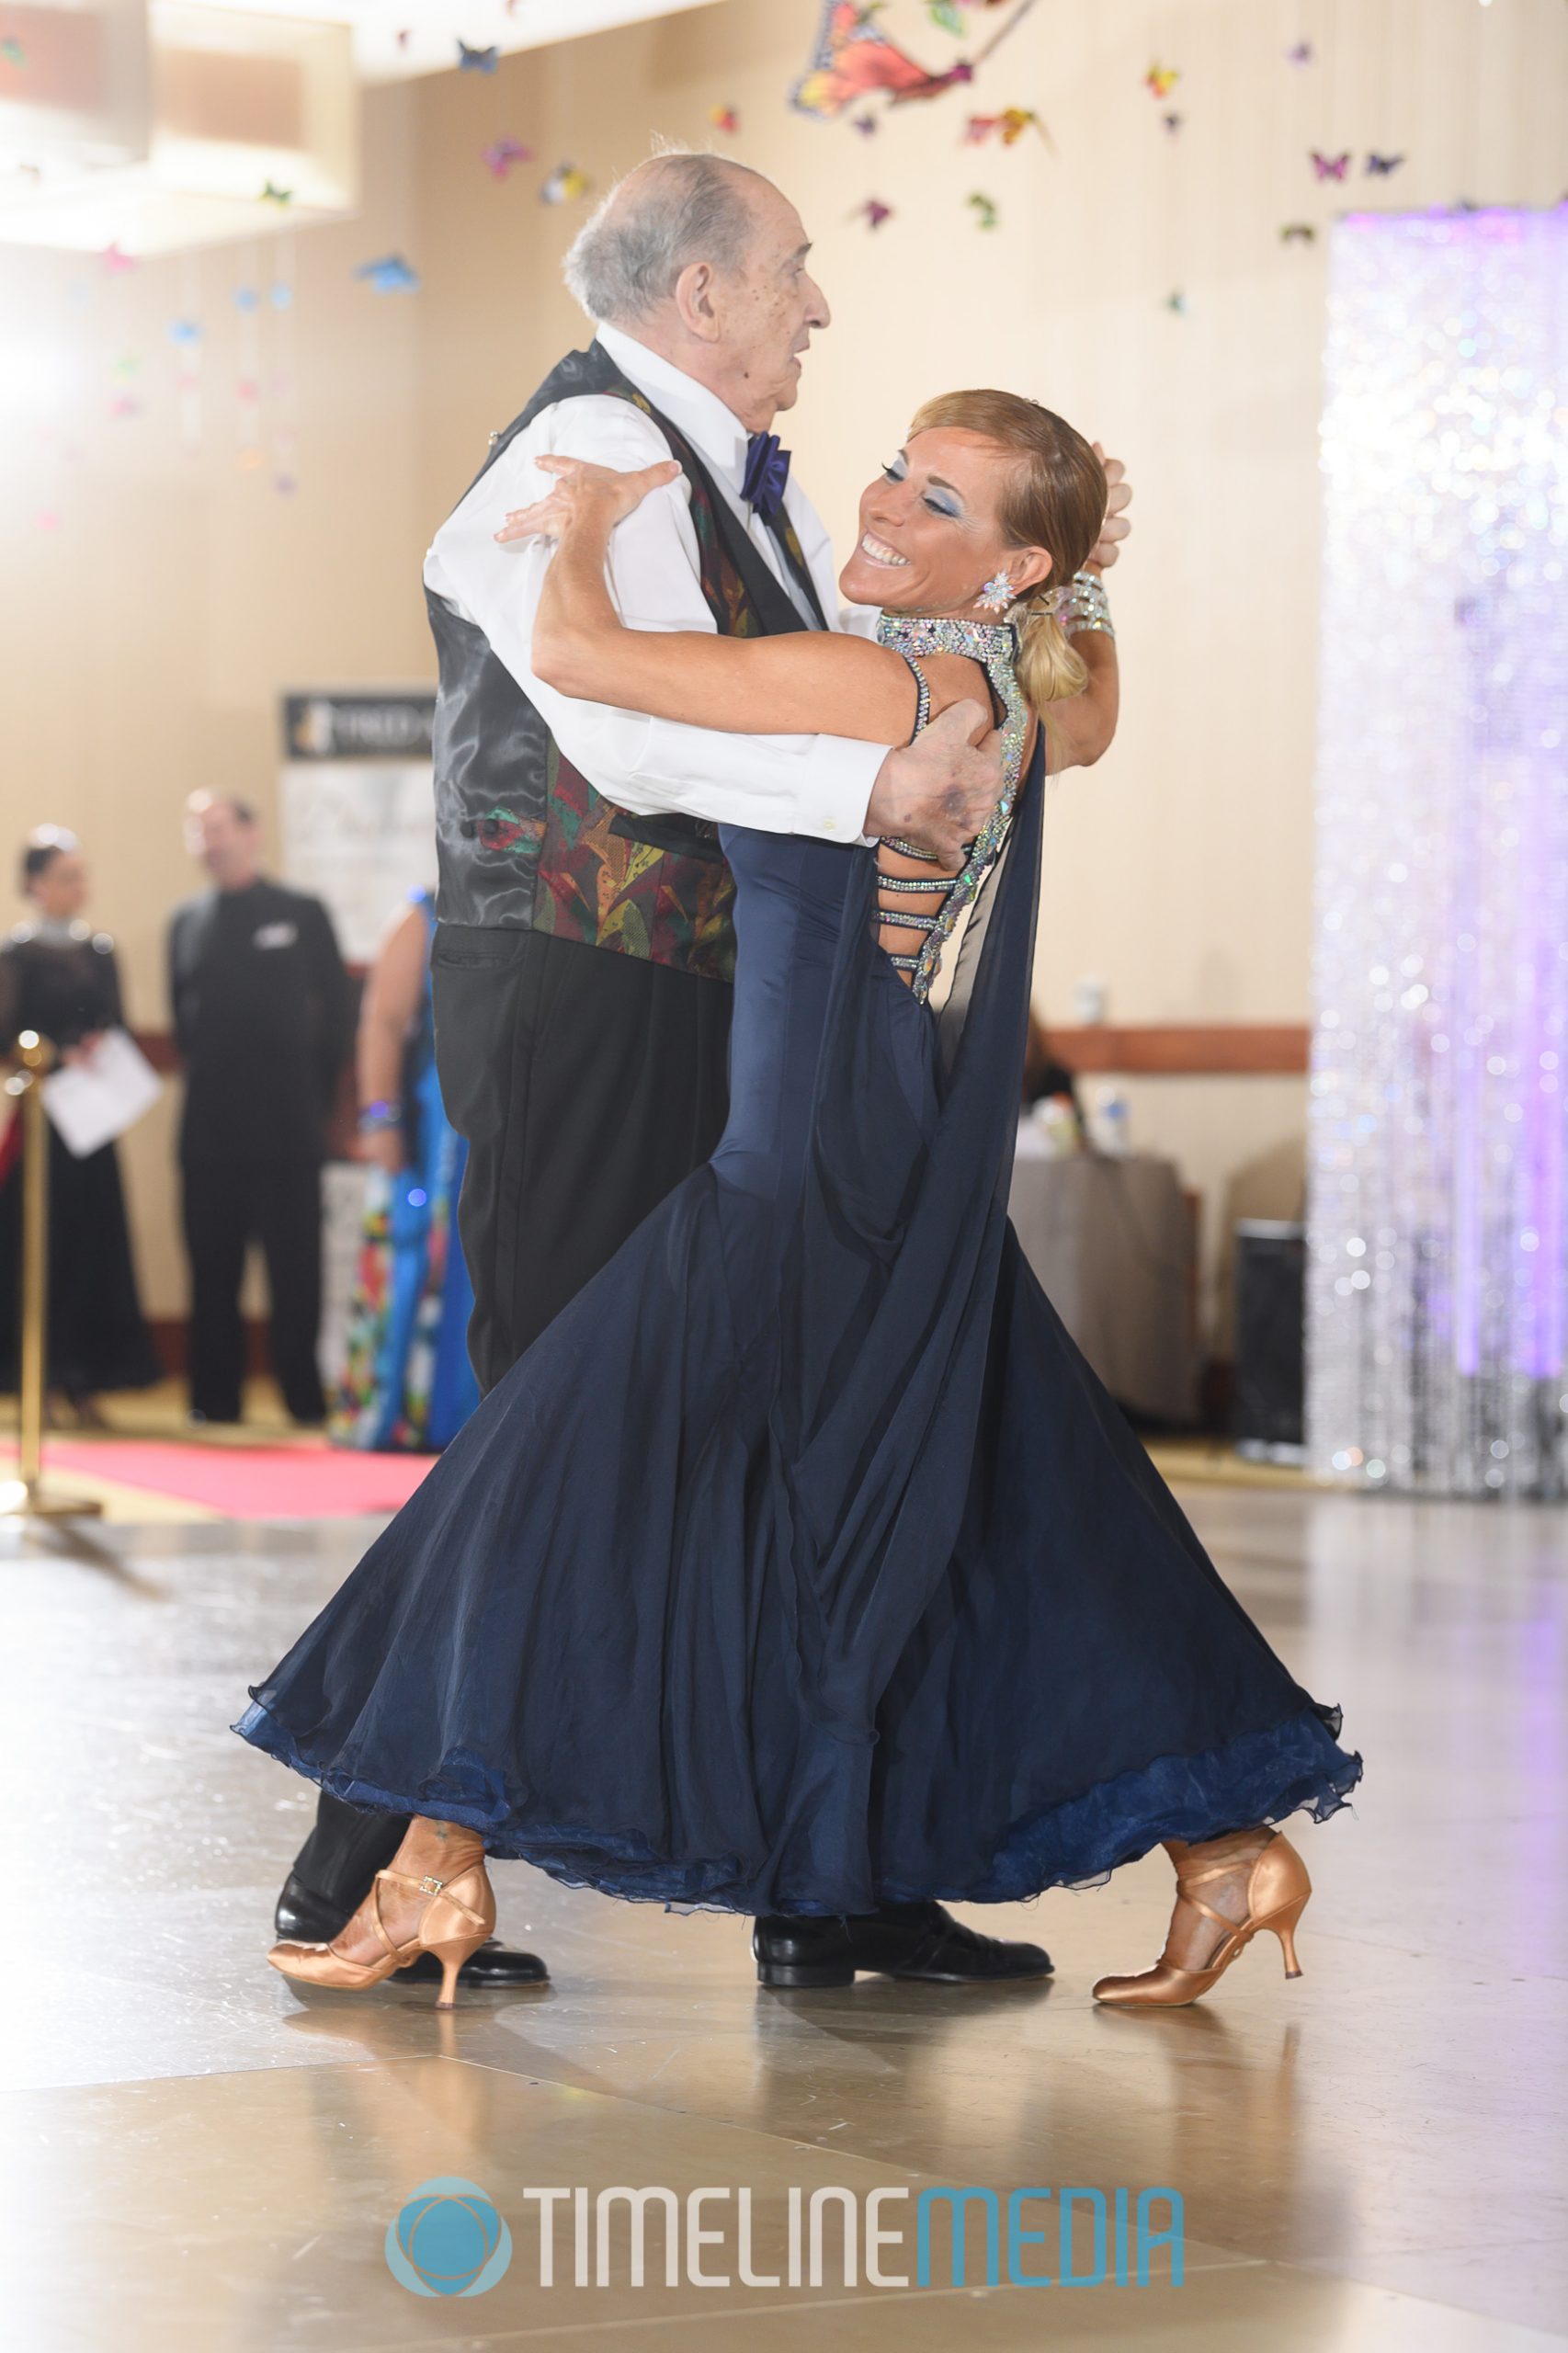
195 2156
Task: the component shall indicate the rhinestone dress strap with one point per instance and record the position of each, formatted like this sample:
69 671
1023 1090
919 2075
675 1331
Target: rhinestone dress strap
995 645
922 697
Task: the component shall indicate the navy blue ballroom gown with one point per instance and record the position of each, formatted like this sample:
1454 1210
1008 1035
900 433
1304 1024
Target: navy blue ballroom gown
803 1564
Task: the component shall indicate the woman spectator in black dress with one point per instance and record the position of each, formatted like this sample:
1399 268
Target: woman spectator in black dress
57 976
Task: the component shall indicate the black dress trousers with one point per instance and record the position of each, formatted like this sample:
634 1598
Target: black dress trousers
228 1203
588 1084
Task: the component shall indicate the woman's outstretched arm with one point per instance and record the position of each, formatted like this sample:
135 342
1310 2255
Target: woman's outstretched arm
1082 727
809 682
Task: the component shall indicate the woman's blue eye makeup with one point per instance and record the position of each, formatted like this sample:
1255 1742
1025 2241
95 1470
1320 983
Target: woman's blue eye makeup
937 502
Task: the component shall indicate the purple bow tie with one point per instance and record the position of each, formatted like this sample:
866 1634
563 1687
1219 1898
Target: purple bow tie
767 471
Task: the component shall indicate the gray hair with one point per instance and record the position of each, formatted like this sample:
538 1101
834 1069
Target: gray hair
672 211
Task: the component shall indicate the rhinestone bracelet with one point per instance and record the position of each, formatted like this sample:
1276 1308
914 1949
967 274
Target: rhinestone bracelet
1083 606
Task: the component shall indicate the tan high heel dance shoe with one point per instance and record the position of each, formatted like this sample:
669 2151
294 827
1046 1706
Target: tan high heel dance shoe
1277 1893
455 1921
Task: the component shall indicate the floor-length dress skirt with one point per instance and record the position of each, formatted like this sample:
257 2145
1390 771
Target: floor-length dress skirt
802 1563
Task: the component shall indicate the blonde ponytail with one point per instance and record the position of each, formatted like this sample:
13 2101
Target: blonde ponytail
1049 669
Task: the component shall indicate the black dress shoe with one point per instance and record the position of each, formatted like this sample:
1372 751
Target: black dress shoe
900 1940
302 1918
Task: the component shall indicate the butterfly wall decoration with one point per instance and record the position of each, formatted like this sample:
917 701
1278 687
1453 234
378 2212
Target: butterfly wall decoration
874 213
853 60
1009 126
565 183
1379 166
477 61
1298 233
390 275
985 210
499 158
724 119
1161 80
1330 167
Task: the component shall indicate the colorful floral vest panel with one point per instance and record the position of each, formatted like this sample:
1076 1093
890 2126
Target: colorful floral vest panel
524 839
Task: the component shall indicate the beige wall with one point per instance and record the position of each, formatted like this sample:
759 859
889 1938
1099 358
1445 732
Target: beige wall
146 643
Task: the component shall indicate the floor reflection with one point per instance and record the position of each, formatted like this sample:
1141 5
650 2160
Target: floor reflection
200 2153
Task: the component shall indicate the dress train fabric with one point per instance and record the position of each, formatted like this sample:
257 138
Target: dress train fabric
803 1564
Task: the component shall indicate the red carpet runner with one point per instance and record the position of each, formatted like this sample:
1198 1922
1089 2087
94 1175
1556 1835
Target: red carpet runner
248 1481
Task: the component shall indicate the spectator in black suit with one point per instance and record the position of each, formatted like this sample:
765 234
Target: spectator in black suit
263 1014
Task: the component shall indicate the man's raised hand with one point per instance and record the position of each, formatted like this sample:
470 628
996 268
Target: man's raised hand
1118 497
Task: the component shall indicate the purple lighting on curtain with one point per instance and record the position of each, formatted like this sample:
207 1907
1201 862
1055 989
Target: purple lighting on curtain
1438 1304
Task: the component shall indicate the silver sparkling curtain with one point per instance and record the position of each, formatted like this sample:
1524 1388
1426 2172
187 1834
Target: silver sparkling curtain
1437 1242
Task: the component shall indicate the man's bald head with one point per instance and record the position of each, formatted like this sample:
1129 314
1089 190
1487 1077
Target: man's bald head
667 214
704 262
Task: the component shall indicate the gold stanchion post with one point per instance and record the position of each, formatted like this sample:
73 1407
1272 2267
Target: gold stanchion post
24 1497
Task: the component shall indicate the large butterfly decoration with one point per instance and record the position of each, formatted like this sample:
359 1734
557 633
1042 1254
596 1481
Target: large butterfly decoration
853 60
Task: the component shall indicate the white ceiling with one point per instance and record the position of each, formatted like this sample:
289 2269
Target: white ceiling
434 27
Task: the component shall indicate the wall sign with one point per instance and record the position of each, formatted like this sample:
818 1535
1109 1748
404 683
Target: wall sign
356 800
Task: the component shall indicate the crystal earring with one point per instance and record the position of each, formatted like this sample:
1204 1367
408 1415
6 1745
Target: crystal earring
997 594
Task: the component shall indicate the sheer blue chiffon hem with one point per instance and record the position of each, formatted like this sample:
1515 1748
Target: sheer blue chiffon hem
1261 1777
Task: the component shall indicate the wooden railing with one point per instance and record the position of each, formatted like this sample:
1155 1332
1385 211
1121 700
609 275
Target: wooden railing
1167 1048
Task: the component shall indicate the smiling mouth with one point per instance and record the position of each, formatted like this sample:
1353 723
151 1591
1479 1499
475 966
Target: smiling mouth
879 552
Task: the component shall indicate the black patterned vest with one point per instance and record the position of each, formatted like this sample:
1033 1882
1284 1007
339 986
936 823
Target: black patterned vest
523 840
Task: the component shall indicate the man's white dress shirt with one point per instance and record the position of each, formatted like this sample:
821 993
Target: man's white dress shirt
783 784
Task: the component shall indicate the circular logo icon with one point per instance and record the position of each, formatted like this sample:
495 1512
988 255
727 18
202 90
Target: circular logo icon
448 2240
